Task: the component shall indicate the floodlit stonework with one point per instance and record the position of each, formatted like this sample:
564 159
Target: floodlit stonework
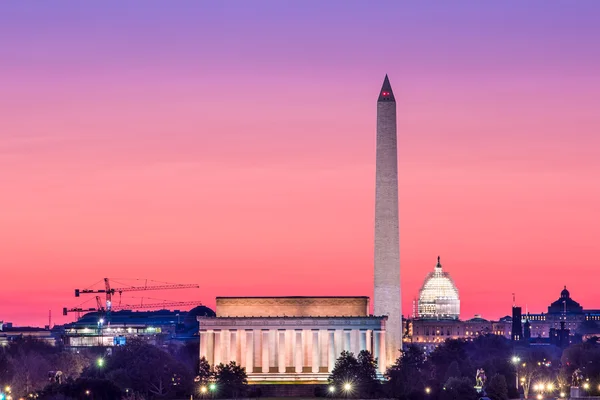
387 300
293 306
288 349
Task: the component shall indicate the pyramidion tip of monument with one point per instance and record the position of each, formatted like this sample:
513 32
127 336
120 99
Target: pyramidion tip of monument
386 94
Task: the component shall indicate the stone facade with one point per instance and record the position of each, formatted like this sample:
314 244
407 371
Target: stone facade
293 306
289 349
387 299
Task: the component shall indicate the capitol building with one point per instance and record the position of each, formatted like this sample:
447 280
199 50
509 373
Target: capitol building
438 297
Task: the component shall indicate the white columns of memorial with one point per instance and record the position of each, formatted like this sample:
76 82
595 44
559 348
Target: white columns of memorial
316 351
298 359
265 351
379 349
331 349
347 340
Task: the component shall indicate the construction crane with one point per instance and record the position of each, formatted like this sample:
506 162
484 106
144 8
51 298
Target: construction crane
110 291
101 309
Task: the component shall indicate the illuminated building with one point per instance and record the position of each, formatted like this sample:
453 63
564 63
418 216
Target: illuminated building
438 297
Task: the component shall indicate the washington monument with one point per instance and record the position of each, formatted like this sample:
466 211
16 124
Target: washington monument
387 297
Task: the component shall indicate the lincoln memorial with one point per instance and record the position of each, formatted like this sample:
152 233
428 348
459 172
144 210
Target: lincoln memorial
290 339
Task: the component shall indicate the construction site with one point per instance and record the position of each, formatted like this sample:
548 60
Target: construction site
110 315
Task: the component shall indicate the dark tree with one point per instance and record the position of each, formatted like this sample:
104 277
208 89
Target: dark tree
204 374
146 369
360 373
407 377
449 351
496 388
459 389
231 380
453 371
344 371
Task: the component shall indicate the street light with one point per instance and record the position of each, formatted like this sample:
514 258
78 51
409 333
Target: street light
586 386
212 387
203 389
427 390
331 389
347 387
100 362
516 360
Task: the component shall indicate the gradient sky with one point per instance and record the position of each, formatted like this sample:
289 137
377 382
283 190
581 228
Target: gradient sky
232 144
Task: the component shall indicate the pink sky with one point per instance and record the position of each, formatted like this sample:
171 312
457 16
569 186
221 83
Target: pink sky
244 161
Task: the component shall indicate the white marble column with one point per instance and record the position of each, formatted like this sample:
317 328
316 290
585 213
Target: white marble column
379 350
307 349
339 342
210 347
203 344
324 353
346 340
331 350
299 352
225 342
290 339
354 344
316 351
370 341
249 351
233 347
281 350
265 351
257 349
273 355
363 339
217 348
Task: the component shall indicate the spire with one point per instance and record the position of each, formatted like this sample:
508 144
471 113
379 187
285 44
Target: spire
439 265
386 94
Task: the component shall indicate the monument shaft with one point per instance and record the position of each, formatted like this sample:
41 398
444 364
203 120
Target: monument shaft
387 298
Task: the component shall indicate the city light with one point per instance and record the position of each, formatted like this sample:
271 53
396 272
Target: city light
87 392
212 387
7 389
540 397
586 386
427 390
515 359
100 362
550 387
347 387
562 394
101 321
203 389
331 389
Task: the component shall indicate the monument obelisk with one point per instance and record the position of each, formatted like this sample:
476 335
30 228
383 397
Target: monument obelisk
387 299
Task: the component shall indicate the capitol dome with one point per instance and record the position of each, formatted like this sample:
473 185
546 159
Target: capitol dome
438 297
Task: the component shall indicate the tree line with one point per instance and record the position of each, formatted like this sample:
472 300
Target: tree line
142 371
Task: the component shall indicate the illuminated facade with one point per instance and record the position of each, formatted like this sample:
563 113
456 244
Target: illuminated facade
438 297
564 312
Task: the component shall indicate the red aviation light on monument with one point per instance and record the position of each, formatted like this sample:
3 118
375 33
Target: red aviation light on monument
386 93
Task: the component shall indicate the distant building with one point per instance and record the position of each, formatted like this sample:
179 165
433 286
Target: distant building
517 328
564 314
155 326
9 333
438 297
429 333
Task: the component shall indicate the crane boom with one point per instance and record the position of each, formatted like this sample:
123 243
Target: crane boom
157 305
111 291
